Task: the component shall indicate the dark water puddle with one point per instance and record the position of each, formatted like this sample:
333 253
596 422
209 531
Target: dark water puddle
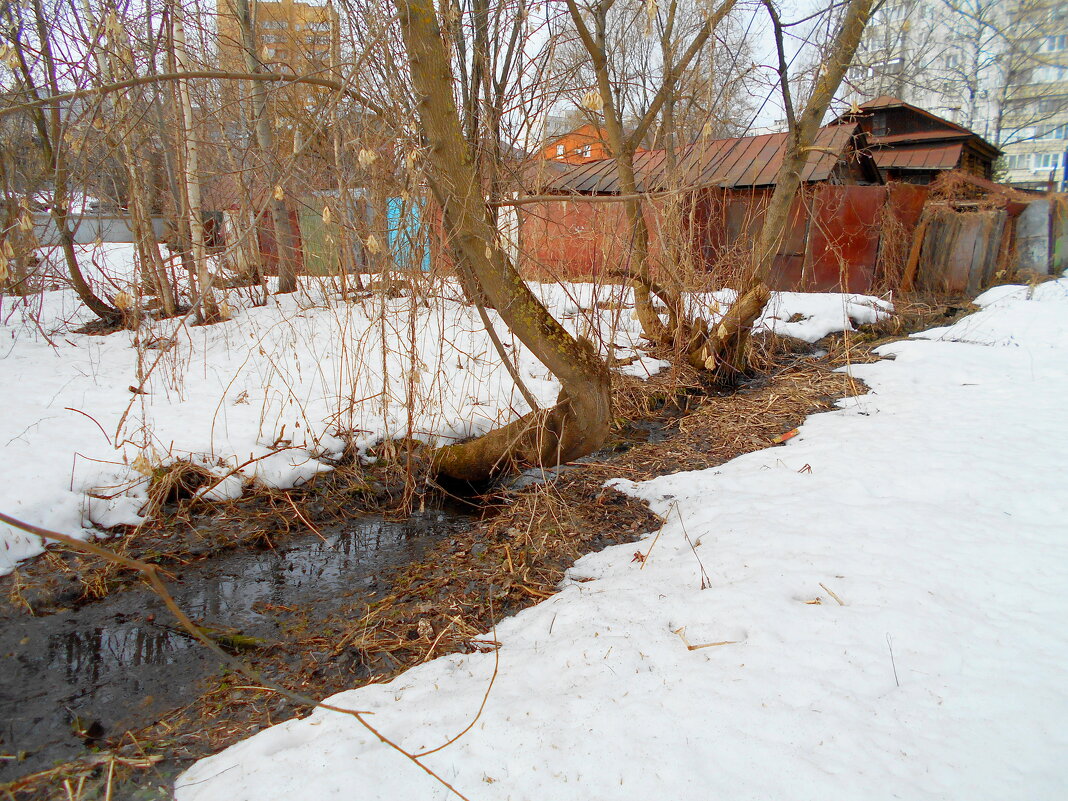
69 679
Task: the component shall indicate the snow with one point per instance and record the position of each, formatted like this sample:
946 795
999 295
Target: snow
1010 320
273 396
820 314
933 508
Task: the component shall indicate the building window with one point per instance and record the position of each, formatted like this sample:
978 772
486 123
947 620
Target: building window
1050 74
587 151
893 66
1054 44
273 38
318 26
1051 104
1053 131
890 14
878 124
274 24
952 61
560 149
1046 161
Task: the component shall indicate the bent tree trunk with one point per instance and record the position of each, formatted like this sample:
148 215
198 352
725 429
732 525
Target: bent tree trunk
579 421
702 348
730 342
50 131
803 131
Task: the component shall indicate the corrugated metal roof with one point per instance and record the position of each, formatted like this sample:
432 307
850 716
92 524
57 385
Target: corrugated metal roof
932 157
946 132
919 136
747 161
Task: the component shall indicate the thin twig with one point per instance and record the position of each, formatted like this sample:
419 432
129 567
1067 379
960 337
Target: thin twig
833 594
305 520
485 697
893 664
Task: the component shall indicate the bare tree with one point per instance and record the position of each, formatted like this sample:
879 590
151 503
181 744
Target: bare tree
207 310
804 124
283 230
36 68
580 420
980 63
592 29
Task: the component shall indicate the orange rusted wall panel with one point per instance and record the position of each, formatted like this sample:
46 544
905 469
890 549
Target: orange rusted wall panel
843 238
831 243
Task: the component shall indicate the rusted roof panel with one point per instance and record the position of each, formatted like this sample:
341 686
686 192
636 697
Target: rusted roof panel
755 160
933 157
748 161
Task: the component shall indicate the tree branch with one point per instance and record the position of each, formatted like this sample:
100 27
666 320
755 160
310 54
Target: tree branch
141 80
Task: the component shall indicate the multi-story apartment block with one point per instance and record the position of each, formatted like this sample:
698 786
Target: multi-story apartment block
997 67
291 36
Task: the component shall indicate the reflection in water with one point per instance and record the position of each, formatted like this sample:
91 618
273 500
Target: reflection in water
235 592
119 661
87 655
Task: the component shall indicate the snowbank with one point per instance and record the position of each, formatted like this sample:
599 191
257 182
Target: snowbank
883 618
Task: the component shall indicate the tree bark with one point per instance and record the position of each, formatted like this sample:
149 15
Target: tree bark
153 270
208 310
285 239
580 420
803 132
50 131
727 346
680 333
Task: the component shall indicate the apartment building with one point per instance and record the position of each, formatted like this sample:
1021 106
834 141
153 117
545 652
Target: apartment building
291 36
996 67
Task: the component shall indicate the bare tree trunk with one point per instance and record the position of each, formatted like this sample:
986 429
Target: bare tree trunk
345 245
141 218
284 237
679 332
153 271
172 159
803 131
580 420
209 311
50 132
728 345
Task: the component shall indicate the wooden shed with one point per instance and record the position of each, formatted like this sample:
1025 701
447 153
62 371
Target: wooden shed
913 145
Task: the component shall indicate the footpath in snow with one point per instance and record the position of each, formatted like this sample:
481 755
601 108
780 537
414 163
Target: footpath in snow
875 610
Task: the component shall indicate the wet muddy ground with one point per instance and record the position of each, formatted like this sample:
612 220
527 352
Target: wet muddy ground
71 680
80 677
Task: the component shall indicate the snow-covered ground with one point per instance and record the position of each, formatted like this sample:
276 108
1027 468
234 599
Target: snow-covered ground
876 610
274 394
